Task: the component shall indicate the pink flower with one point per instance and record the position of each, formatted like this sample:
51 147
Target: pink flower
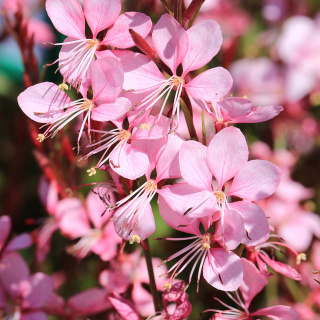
78 52
133 218
75 223
21 241
193 49
253 283
48 103
28 293
225 158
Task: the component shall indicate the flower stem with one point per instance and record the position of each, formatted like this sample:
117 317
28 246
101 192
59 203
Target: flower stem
153 287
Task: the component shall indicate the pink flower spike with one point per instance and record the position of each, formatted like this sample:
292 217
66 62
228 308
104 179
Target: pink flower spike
100 14
170 41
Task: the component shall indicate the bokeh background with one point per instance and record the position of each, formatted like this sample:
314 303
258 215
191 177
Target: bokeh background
272 49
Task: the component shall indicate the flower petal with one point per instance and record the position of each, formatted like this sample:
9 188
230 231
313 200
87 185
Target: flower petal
232 108
128 161
253 282
45 98
210 85
5 227
125 308
255 222
259 114
222 270
170 41
205 40
193 165
277 313
227 153
107 79
101 14
111 110
256 180
118 34
67 17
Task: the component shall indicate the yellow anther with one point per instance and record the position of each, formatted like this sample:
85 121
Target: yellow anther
301 257
205 245
245 96
87 104
151 185
124 135
168 286
41 137
135 238
92 171
145 125
62 87
220 196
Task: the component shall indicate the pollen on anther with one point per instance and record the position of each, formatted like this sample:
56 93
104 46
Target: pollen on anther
40 137
92 171
135 238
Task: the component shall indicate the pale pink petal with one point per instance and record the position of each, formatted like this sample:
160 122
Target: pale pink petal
232 108
278 313
263 268
74 222
170 41
125 308
139 71
168 159
5 227
282 268
38 292
253 282
89 302
142 300
45 98
144 228
67 17
95 208
227 153
118 34
228 266
129 161
106 79
183 197
255 222
34 316
256 180
193 165
48 194
41 31
14 273
21 241
152 128
151 148
210 85
107 247
112 110
101 14
205 40
232 229
259 114
167 200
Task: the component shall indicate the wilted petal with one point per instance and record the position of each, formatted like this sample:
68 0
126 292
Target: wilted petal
170 41
256 180
227 153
